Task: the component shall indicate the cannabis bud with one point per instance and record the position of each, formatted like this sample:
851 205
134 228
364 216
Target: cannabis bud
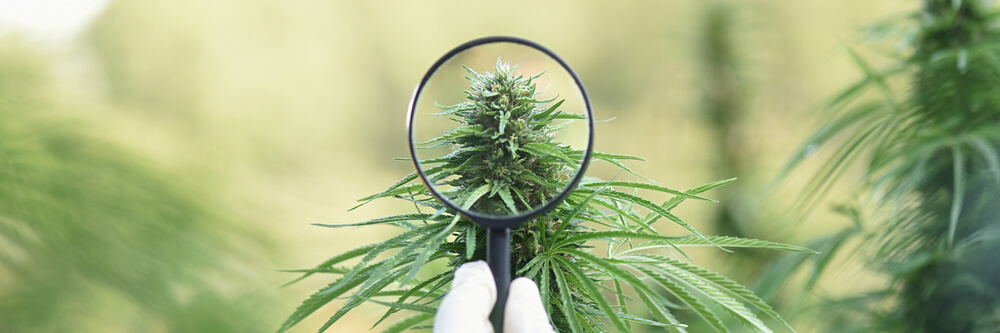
505 157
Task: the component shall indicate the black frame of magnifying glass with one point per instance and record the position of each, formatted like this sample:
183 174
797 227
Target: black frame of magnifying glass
501 221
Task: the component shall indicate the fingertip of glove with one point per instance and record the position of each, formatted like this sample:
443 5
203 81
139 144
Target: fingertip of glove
475 274
524 287
524 294
475 267
467 306
524 312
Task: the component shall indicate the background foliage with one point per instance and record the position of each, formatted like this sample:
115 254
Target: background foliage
927 131
94 239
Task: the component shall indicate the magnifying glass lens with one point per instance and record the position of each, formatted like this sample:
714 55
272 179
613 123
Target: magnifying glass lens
500 129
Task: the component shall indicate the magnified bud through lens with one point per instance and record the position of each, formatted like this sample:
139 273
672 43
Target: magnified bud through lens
500 130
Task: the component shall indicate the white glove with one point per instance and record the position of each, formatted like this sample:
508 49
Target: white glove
467 306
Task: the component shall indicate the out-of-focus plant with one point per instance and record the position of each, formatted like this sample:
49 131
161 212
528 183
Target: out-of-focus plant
92 239
724 110
931 169
724 106
506 157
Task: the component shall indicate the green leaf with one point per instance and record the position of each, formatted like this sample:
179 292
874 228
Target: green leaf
377 248
653 208
460 132
678 268
543 116
843 157
710 186
613 159
661 312
649 187
409 322
406 306
831 244
475 75
325 295
684 296
470 242
633 319
385 266
399 241
614 272
411 292
601 155
673 202
431 247
336 260
546 150
567 219
475 195
990 156
567 307
958 193
723 241
603 235
854 91
545 286
371 288
531 268
862 114
409 178
507 199
872 75
594 294
567 115
730 304
615 206
504 117
383 220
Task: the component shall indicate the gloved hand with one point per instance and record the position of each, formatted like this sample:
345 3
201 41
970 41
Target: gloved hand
467 306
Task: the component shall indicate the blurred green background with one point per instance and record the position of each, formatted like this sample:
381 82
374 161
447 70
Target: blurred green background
159 164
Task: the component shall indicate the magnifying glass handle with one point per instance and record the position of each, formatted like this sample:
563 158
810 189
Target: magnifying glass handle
498 257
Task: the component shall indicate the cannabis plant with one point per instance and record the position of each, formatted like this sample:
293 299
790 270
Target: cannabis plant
931 169
724 110
601 239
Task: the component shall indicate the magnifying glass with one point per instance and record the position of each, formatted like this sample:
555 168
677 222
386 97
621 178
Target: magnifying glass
501 131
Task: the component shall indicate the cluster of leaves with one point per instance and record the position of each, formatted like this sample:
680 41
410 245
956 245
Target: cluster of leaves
641 268
932 169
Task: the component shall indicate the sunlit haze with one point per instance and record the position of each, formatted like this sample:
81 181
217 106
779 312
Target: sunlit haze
48 19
